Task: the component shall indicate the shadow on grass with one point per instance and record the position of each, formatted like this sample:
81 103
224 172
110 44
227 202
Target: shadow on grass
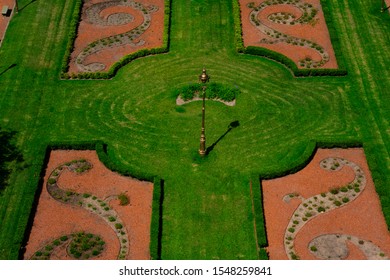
9 153
25 6
231 126
8 68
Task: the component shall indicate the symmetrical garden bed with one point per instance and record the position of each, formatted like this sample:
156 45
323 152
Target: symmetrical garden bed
87 211
294 28
328 210
110 30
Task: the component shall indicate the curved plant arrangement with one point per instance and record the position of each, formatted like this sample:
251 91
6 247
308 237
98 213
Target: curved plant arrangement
314 206
94 70
214 91
128 38
79 245
90 203
308 13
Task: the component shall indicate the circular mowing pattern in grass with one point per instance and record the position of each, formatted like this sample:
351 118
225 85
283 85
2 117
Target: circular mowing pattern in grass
335 198
308 14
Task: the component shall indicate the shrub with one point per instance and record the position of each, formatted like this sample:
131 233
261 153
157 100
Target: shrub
52 181
123 199
118 226
112 219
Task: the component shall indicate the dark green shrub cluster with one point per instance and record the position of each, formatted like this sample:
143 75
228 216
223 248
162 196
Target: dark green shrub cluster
71 37
122 62
85 245
213 91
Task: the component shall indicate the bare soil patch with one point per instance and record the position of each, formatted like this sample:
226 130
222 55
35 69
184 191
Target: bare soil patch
294 28
54 219
355 229
126 27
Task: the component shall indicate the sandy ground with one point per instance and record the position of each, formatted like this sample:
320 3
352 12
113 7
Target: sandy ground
362 217
317 33
54 219
87 33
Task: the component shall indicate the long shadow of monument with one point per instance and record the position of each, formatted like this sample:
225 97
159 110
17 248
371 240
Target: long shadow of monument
231 126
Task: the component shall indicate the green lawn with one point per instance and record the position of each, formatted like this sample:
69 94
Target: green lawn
207 207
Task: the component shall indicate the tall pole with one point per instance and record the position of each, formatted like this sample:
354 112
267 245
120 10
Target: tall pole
203 78
16 6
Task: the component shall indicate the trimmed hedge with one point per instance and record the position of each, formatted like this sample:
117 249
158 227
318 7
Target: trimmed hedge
308 155
260 51
122 62
156 225
238 26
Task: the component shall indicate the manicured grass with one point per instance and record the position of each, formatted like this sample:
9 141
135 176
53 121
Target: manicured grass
207 205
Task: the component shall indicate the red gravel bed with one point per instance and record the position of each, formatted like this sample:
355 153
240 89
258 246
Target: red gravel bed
317 32
88 33
54 219
4 20
362 217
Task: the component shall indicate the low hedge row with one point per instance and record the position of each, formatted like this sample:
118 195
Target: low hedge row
122 62
291 64
238 26
259 51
